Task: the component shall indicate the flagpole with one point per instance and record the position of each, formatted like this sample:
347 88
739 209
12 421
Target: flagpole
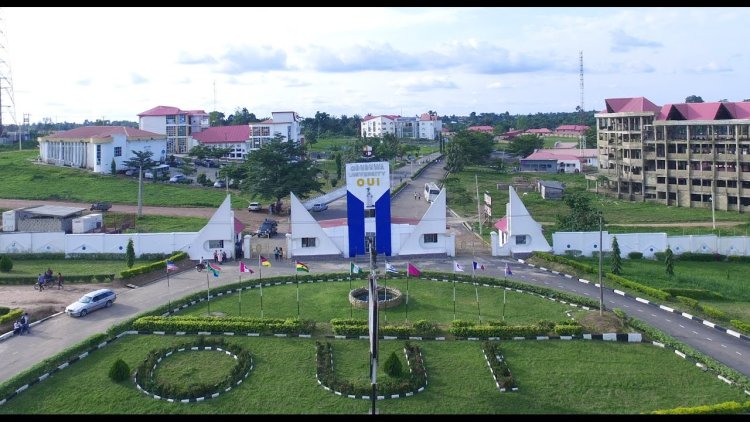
407 292
476 291
385 298
454 291
169 294
351 306
260 279
240 295
503 304
297 283
208 294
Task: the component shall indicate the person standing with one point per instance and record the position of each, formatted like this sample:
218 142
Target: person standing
25 327
281 253
40 282
216 256
17 327
59 281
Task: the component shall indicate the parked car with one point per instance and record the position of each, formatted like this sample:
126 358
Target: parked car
102 298
220 183
179 178
319 207
267 228
255 206
100 206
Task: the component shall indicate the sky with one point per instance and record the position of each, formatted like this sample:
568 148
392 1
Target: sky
74 64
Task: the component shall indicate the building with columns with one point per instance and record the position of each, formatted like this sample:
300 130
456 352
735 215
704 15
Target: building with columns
94 147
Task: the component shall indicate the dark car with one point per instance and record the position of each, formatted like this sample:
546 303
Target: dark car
268 228
100 206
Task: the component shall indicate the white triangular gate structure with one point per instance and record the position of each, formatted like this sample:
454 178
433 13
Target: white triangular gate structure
518 233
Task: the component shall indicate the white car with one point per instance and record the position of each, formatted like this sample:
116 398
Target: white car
102 298
255 206
319 207
178 178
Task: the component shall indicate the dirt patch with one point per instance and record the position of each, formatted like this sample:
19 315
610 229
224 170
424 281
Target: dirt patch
608 322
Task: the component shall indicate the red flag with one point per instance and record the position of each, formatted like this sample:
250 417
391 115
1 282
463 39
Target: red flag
245 269
412 270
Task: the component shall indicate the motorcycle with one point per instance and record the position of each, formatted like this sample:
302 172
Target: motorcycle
200 267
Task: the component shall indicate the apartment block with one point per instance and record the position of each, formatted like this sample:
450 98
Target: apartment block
426 126
682 154
282 123
178 125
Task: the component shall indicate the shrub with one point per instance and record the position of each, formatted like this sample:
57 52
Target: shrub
119 371
130 254
392 366
635 255
6 264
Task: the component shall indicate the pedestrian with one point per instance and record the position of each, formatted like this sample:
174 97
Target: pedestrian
276 253
40 282
17 327
223 256
415 195
219 256
281 253
216 256
25 327
59 281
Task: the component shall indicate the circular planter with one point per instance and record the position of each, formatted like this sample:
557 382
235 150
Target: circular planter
387 297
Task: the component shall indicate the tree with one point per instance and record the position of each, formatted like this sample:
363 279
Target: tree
583 217
693 99
339 166
142 161
393 366
476 147
112 167
590 137
280 167
669 261
130 254
454 159
119 371
387 148
525 145
6 264
616 258
216 118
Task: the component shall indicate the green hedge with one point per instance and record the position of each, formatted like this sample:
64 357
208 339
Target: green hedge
726 408
194 324
80 278
700 294
741 325
156 266
359 327
11 315
586 268
657 293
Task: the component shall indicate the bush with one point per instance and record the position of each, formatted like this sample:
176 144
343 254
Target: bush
119 371
130 254
393 366
635 255
6 264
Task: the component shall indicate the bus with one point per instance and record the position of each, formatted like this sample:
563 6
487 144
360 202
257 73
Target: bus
431 191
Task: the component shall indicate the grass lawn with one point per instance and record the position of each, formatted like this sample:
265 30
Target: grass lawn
68 267
428 300
571 377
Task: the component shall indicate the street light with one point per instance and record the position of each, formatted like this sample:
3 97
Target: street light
713 212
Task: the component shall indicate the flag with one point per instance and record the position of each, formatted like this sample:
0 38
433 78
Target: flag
412 270
245 269
457 266
477 266
390 268
264 262
171 266
507 270
214 269
355 269
302 268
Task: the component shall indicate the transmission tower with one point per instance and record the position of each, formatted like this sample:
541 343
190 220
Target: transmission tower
581 113
7 101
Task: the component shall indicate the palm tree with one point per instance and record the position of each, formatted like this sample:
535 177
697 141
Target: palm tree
142 160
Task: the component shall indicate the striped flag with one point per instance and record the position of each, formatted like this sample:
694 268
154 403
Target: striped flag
301 267
390 268
265 262
355 269
457 267
171 266
477 266
214 269
245 269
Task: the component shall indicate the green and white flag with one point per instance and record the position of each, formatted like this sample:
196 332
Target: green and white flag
355 269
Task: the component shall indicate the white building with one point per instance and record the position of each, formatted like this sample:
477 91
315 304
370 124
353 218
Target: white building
283 123
518 233
426 126
178 125
235 138
94 147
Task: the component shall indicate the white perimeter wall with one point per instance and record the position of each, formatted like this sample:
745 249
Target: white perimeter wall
649 243
93 243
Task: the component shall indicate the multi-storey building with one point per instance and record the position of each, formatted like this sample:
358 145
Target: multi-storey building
426 126
178 125
281 123
686 154
235 138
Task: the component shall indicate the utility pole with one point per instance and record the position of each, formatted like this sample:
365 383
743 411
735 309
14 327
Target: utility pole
601 287
479 210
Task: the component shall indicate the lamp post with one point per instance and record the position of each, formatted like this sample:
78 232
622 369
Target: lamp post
601 287
713 212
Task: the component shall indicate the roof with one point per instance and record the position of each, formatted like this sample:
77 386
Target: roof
168 110
386 116
238 225
542 130
546 155
576 128
575 152
426 117
104 132
223 134
630 105
502 224
55 210
552 184
481 128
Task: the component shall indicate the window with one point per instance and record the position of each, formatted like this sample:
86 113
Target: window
98 154
215 244
521 240
118 151
308 242
430 238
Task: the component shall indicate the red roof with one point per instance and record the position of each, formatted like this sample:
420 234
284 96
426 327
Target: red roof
574 128
223 134
387 116
238 226
168 110
426 117
502 224
542 130
630 105
546 155
104 132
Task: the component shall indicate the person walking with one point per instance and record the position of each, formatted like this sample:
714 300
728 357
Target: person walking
59 281
281 253
40 282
